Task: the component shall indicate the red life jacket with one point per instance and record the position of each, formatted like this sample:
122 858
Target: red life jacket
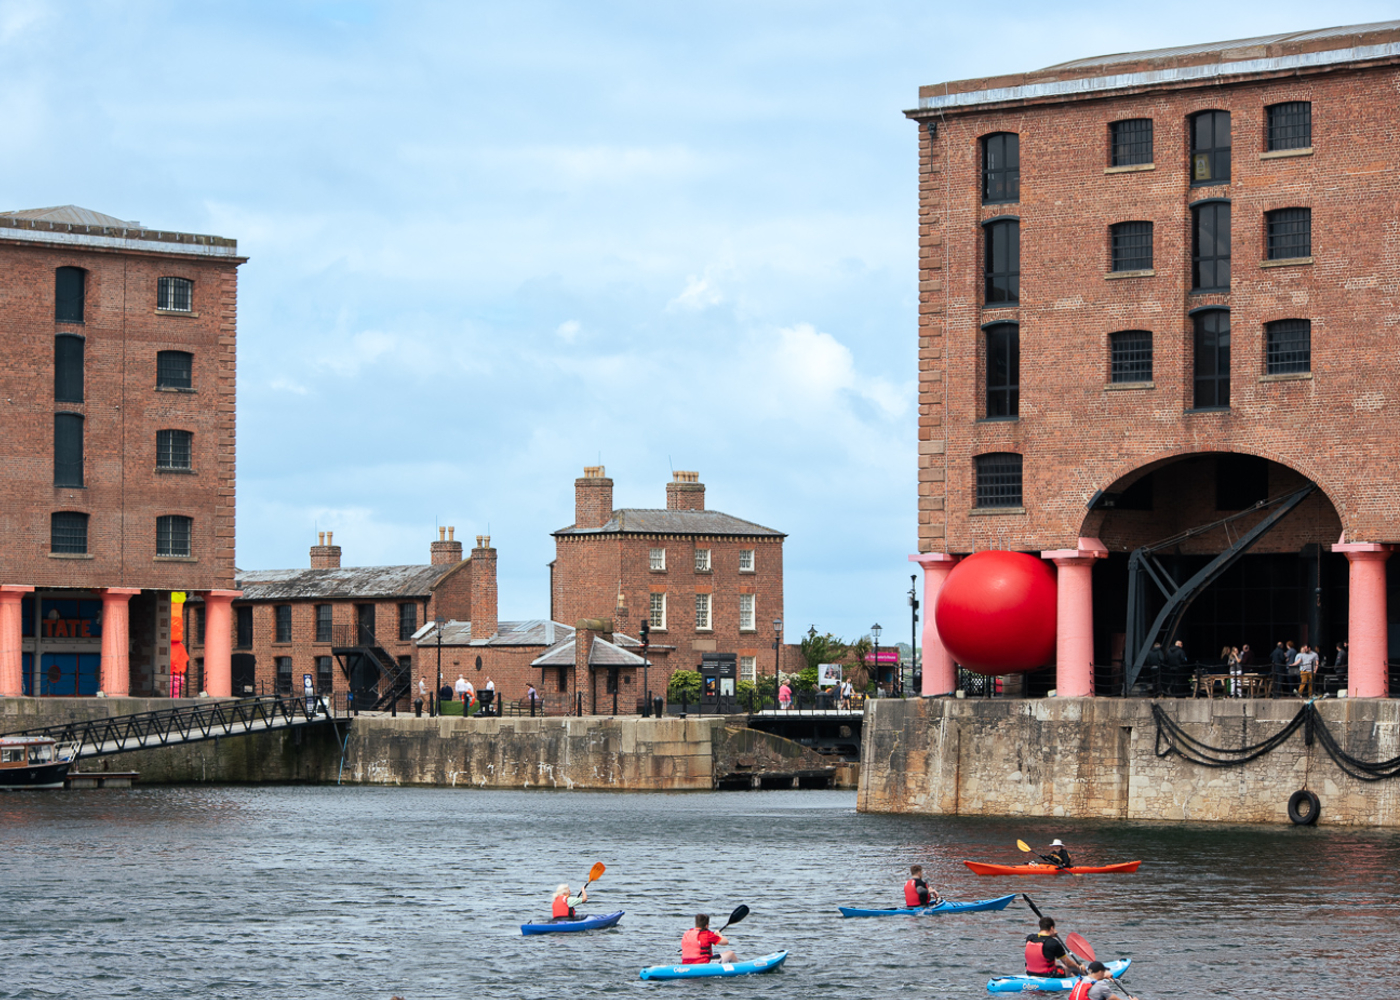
1036 962
1081 989
692 951
911 895
562 907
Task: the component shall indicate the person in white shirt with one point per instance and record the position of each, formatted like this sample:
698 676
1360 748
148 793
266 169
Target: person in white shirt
461 687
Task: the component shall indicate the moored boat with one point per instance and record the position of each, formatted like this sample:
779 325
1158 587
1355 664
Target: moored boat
947 906
1037 868
768 963
564 926
1027 984
32 762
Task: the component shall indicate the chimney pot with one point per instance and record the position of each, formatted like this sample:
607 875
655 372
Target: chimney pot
325 555
450 530
445 551
329 536
442 533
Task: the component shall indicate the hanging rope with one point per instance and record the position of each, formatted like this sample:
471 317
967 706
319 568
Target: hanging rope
1172 739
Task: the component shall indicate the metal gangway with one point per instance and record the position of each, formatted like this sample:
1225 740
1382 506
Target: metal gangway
184 724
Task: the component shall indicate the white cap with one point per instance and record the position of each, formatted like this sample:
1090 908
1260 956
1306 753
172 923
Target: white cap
1056 843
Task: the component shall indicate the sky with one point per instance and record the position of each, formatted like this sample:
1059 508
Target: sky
491 244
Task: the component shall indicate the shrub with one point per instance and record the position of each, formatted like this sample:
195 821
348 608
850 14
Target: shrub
754 702
683 688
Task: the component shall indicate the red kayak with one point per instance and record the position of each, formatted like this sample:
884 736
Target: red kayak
1036 868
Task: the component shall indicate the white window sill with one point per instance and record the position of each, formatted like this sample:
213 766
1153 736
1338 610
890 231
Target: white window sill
1132 168
1283 154
1112 275
1128 386
186 559
995 511
1286 262
71 555
1287 377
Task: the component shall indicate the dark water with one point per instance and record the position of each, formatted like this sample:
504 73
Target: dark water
370 892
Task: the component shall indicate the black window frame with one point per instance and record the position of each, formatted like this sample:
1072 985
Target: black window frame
998 481
69 355
1210 155
174 449
1129 143
1210 353
171 530
408 620
1288 125
1288 233
1126 241
68 532
199 620
243 626
69 294
174 370
283 668
171 291
1130 356
1288 347
1002 377
1001 168
282 623
325 675
325 618
1207 258
1002 278
68 429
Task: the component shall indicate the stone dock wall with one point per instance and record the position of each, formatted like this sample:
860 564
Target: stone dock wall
1096 758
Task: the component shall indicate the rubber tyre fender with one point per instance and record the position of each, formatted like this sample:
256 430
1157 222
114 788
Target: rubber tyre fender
1303 807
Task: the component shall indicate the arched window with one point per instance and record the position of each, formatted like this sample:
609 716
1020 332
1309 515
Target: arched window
69 290
1210 147
68 368
175 294
1288 346
174 370
68 533
998 480
1210 246
1289 232
1001 168
1131 246
1130 356
1003 261
1003 371
1212 359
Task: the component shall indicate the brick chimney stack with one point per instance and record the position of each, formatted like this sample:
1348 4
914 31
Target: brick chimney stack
446 551
484 624
586 630
324 555
687 492
593 498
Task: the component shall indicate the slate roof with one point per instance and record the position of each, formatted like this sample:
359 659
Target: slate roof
343 584
531 632
674 522
603 654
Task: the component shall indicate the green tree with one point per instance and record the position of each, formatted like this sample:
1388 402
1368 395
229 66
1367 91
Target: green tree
806 679
819 649
684 688
857 653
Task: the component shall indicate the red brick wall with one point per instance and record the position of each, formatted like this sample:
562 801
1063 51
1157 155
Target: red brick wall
123 494
1337 428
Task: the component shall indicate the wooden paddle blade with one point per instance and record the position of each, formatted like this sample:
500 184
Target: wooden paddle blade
596 872
1024 846
1079 946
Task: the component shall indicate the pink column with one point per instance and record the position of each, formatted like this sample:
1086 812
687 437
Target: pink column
218 642
116 641
1368 638
12 640
1074 617
940 676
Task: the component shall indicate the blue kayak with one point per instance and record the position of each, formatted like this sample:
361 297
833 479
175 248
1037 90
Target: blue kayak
1027 984
768 963
566 926
947 906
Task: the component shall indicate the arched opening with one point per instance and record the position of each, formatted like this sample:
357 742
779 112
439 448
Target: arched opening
1279 584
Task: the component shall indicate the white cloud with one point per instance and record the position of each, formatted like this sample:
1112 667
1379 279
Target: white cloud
568 330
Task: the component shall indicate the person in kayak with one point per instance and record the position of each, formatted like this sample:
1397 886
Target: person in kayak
1046 954
564 903
917 892
1059 857
697 946
1097 985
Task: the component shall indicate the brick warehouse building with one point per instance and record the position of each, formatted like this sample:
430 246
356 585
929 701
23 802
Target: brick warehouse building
1156 289
117 436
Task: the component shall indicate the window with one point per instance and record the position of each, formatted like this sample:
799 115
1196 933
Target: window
408 620
284 675
1001 168
174 370
173 535
68 368
1289 232
746 560
1210 148
702 560
658 612
283 617
748 668
69 289
658 559
746 615
1131 142
244 614
1003 265
1289 346
1290 125
174 294
325 677
702 612
67 449
323 623
999 480
1130 353
1212 365
68 532
1132 246
199 624
1210 247
173 449
1003 371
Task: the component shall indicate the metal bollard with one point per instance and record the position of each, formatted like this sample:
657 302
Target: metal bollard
418 708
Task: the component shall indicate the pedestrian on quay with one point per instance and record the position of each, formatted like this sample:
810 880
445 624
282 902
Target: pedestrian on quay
1307 668
531 696
848 692
1046 954
1097 985
784 696
917 892
1278 668
461 688
1176 660
1152 663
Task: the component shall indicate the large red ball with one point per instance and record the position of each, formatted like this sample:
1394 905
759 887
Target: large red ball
996 612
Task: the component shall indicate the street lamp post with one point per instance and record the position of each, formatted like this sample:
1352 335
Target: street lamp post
437 691
913 632
875 631
777 647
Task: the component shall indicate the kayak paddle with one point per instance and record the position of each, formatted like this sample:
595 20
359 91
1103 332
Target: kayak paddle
594 873
1048 860
740 912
